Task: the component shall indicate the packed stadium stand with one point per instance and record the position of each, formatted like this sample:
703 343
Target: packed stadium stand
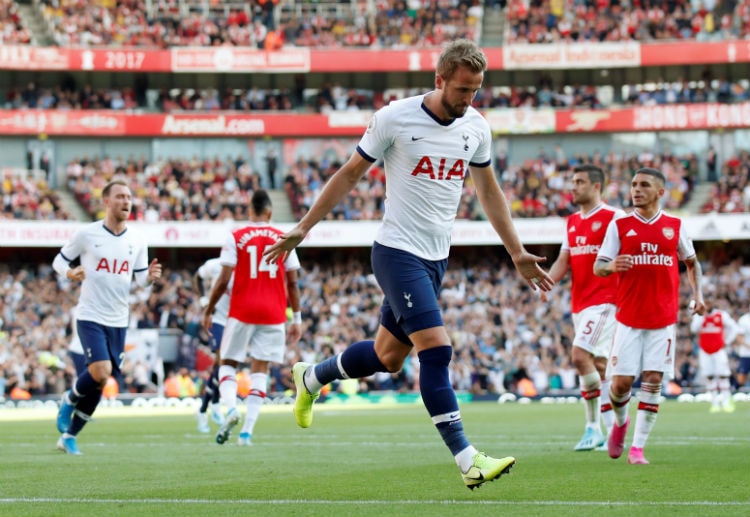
199 103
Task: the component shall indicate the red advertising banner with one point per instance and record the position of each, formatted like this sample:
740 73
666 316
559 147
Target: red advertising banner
669 117
120 60
21 57
695 53
239 59
595 121
303 60
113 123
679 117
572 55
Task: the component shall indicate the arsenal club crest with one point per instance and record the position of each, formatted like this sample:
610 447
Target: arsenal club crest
668 232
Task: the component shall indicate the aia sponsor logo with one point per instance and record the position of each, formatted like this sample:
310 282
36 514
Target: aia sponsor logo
442 170
114 266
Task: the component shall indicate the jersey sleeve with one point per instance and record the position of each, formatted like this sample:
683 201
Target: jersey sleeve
565 246
141 259
72 249
685 248
378 136
228 256
611 245
291 263
483 155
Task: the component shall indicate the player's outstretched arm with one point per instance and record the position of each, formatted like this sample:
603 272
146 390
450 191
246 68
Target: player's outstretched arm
695 274
496 207
340 184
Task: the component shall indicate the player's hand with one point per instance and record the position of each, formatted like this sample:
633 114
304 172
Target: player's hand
207 321
621 263
697 307
528 265
77 274
286 243
294 333
154 270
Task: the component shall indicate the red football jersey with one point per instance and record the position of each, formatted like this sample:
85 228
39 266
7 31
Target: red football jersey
259 291
647 295
711 336
583 240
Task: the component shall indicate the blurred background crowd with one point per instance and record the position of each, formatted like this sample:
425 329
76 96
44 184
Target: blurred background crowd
501 330
195 189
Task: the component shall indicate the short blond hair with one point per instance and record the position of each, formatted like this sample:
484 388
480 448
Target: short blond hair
108 187
461 52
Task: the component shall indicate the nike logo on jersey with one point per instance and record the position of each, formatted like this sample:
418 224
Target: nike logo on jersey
631 233
416 138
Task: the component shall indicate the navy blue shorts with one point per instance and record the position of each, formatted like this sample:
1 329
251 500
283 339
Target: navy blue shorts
79 361
102 343
411 286
217 332
744 365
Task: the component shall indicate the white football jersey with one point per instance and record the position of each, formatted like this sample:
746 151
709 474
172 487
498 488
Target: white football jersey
110 261
426 163
210 271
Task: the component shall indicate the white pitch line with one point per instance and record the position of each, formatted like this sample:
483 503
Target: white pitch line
373 502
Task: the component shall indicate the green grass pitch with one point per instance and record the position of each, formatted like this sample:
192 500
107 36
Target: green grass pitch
372 461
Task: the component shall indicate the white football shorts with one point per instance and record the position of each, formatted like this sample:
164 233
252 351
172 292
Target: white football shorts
262 342
714 365
641 350
595 327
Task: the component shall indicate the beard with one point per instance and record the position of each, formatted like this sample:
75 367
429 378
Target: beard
453 111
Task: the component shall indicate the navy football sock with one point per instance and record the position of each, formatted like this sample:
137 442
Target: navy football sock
213 384
205 398
359 360
85 385
439 398
85 408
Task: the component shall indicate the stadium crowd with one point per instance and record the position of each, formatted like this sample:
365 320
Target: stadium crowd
551 21
215 189
27 195
388 24
502 331
259 23
187 189
536 187
67 95
12 29
731 193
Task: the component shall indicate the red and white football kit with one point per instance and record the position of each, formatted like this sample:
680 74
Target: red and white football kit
715 330
258 302
592 297
647 295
